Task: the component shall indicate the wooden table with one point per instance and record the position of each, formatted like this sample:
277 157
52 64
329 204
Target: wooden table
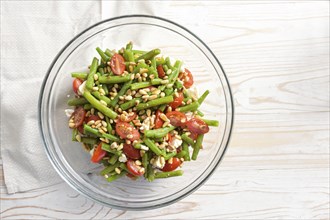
276 56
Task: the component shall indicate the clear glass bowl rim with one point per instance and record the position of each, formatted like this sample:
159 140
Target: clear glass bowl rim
58 168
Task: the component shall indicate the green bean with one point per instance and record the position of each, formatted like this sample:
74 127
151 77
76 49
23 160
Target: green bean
189 108
113 159
155 102
160 61
202 98
92 71
105 88
140 85
89 140
149 55
109 169
187 139
114 79
128 55
109 53
197 146
101 97
99 106
168 91
89 129
137 146
154 65
77 101
130 104
165 67
111 137
168 174
178 84
139 66
150 173
170 155
74 134
186 157
129 46
116 176
153 147
88 106
123 166
101 71
181 154
145 163
107 148
214 123
168 63
109 127
122 91
139 51
162 107
158 133
79 75
200 113
104 57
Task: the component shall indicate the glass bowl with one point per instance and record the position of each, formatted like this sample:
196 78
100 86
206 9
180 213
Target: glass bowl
69 158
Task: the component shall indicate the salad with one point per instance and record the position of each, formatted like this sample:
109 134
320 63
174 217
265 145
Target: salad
136 112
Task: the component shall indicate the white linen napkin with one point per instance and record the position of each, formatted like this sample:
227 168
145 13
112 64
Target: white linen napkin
32 33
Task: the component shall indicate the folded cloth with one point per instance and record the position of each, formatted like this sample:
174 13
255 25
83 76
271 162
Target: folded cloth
32 33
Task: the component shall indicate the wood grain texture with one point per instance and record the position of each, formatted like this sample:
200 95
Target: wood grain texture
276 56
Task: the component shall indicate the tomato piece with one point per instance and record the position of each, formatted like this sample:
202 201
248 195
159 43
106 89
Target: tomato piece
81 129
98 154
127 131
177 118
130 117
75 85
176 162
131 152
187 78
78 116
161 72
193 135
117 64
158 121
177 101
92 117
197 126
169 138
133 168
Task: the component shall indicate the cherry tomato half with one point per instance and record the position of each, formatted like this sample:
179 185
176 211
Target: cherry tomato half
98 154
158 121
127 131
133 168
177 118
117 64
193 135
177 101
176 162
92 117
187 78
78 116
131 152
130 117
161 72
197 126
75 85
81 129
